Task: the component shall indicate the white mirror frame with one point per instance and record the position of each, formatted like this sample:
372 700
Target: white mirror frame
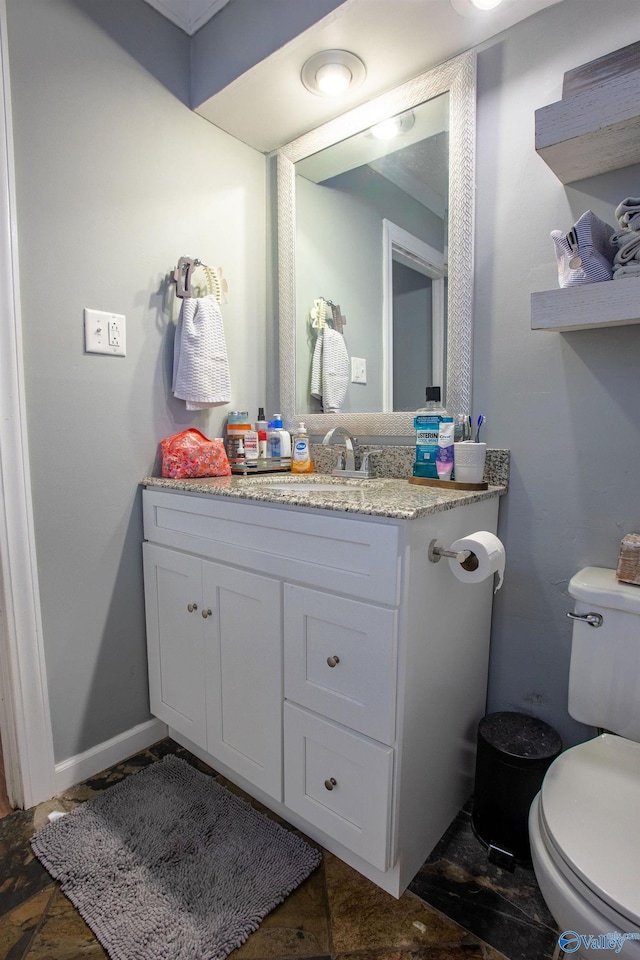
458 77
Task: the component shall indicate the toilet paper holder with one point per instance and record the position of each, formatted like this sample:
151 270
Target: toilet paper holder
466 558
436 550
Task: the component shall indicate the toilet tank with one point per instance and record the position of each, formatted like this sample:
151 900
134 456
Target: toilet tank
604 676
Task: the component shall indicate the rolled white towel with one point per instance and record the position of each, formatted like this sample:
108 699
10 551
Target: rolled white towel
628 270
628 242
628 213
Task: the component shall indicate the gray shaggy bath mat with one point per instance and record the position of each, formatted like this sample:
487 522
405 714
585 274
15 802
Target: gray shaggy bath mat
169 865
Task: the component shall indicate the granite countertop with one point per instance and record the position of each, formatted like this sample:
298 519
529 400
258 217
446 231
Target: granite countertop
380 497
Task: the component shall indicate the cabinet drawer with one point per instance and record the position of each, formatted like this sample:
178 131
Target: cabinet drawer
340 659
352 556
339 781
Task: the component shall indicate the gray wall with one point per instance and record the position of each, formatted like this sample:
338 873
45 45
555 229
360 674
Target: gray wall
566 404
116 179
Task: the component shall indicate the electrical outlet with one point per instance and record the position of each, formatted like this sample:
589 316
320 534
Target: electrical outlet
104 333
358 370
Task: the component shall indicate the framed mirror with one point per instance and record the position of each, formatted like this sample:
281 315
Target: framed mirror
343 258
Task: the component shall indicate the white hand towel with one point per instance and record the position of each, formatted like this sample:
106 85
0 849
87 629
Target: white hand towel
335 371
316 368
201 374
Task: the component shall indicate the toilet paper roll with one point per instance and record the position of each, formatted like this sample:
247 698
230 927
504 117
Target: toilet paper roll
487 557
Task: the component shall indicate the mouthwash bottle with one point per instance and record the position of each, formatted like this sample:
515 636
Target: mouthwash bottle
427 426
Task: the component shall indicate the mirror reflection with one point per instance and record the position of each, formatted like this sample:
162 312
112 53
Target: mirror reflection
370 265
375 254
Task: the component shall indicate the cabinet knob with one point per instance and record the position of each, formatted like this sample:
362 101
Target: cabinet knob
191 607
206 613
333 661
331 783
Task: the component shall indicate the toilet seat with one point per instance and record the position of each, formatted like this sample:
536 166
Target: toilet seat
589 806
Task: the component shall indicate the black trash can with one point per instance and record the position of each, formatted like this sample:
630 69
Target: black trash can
514 753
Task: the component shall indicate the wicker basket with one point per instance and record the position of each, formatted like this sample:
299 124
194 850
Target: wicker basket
628 566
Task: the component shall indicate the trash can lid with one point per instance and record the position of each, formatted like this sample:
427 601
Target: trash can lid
520 736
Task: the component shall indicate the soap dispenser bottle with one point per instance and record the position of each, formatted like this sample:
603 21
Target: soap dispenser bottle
300 457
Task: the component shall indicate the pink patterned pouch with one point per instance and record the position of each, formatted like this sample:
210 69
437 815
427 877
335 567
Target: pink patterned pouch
191 454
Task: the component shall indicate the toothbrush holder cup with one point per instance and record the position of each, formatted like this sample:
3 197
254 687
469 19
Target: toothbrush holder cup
468 461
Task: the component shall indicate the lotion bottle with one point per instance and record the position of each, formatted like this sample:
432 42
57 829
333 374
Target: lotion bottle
285 438
300 458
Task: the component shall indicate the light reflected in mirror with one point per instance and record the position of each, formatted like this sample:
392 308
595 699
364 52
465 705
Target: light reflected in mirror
381 232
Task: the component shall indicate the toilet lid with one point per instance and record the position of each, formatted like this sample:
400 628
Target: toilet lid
591 803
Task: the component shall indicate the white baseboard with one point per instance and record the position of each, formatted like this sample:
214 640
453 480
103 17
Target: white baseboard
84 765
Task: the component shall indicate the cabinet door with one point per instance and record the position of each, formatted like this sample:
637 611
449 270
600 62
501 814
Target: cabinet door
243 656
340 659
175 648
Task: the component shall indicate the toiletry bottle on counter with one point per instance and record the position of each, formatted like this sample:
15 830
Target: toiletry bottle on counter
300 457
285 438
261 422
273 441
427 426
237 425
444 456
251 451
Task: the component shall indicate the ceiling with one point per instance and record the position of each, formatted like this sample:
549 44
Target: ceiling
189 15
268 106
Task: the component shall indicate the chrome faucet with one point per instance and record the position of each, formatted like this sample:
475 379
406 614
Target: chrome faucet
349 459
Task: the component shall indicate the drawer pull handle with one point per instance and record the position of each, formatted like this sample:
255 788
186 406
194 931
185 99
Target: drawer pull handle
331 783
206 613
333 661
191 607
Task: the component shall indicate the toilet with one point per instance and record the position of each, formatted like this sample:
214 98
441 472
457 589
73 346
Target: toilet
584 824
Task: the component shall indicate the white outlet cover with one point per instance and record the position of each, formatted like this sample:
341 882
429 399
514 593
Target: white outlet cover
358 370
97 326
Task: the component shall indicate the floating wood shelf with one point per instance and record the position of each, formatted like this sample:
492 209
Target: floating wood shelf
594 129
612 303
592 132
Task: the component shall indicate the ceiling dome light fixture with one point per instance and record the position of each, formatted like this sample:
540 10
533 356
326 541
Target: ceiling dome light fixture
332 72
393 127
473 8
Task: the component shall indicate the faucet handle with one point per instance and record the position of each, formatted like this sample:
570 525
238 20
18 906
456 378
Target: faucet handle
364 466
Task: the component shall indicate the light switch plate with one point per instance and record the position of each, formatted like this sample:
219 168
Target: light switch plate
104 333
358 370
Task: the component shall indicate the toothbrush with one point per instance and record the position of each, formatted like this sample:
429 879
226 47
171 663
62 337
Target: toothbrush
481 420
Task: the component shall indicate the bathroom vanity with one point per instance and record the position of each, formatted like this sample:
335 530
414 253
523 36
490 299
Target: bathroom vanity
302 643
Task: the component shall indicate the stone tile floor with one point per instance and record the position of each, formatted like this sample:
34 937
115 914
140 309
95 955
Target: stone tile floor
459 907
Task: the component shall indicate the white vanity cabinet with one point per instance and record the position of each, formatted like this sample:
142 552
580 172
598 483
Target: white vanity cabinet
330 669
215 660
